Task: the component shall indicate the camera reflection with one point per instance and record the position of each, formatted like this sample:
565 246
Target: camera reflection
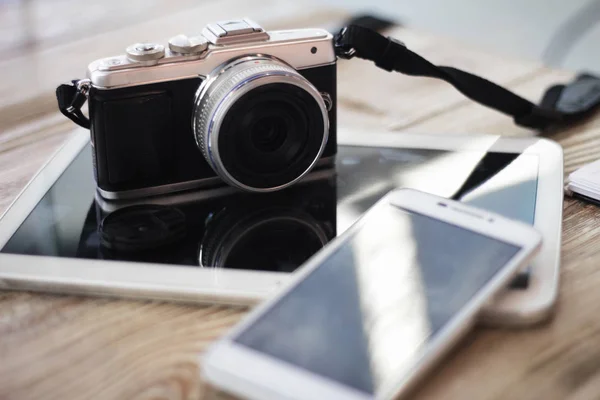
220 229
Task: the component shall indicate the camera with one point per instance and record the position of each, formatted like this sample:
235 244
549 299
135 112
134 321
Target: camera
235 104
216 228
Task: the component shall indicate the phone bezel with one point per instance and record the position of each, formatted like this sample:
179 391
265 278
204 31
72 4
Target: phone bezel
244 371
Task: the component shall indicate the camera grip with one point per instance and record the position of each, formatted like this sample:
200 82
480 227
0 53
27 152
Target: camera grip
138 146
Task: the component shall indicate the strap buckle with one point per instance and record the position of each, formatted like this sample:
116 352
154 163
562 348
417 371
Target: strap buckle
341 50
71 97
82 87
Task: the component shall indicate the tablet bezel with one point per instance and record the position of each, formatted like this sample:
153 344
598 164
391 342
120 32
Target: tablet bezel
228 286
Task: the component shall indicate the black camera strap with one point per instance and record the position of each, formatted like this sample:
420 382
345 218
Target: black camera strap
561 104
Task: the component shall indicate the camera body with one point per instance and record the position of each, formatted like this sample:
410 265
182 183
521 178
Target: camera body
237 104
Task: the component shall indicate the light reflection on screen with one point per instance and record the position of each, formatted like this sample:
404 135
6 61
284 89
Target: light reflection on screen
366 174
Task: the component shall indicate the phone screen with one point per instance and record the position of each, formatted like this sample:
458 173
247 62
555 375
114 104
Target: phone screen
366 314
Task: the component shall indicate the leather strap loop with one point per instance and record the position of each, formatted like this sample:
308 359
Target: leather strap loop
70 100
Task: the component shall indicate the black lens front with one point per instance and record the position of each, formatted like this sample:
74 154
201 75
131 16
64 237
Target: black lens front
271 135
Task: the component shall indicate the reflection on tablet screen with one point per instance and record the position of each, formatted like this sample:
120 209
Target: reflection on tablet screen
65 222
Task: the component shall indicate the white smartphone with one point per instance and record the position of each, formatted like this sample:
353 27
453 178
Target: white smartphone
368 314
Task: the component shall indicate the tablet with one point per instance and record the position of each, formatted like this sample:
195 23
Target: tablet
237 248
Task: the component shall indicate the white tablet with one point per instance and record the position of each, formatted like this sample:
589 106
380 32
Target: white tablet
239 247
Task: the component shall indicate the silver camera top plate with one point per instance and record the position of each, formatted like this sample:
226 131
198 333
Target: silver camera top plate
299 48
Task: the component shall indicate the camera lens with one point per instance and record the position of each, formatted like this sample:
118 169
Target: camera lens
271 136
260 124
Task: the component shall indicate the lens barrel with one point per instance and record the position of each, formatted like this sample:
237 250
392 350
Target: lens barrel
260 124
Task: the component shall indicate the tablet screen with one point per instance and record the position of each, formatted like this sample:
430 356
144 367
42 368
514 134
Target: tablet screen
279 231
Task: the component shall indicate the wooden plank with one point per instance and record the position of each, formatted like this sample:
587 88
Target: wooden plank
79 348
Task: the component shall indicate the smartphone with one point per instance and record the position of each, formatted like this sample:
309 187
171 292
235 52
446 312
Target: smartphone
367 315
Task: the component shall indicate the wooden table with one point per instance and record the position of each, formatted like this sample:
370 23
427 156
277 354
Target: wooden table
69 347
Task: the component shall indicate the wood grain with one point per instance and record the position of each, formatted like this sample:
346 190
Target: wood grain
68 347
58 347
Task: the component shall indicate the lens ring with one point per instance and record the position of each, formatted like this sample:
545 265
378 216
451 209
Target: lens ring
227 85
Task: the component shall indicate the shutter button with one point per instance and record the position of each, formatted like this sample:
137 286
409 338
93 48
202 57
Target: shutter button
145 52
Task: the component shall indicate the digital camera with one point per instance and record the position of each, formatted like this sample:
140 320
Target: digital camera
254 109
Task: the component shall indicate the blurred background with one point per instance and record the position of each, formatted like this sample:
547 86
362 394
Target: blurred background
558 32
